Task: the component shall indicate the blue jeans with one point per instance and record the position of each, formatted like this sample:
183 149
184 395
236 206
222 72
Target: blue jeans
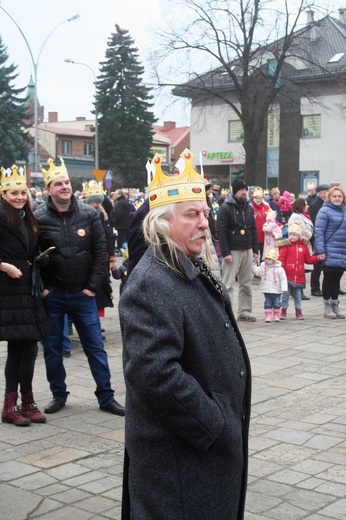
296 292
66 342
83 312
272 301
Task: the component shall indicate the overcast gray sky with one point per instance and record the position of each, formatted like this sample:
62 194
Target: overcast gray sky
65 88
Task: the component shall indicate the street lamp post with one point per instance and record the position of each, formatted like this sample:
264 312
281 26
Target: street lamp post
35 67
68 60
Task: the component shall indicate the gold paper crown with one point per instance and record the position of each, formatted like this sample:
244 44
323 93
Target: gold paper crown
294 227
216 187
266 192
137 203
271 214
164 189
311 185
13 178
257 192
54 172
92 188
224 191
272 253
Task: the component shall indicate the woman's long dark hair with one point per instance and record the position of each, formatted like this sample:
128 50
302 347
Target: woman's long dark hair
15 220
298 205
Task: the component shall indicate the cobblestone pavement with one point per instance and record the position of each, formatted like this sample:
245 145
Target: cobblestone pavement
71 467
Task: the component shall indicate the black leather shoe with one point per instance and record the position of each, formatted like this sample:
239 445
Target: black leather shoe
342 293
316 293
304 297
114 408
54 406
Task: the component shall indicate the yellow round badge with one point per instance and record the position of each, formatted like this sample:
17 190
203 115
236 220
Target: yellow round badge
300 249
81 232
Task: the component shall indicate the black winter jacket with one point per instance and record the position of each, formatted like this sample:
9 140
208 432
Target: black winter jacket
22 316
78 262
121 214
236 227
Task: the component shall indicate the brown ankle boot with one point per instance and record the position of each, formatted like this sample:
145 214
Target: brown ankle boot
11 413
29 409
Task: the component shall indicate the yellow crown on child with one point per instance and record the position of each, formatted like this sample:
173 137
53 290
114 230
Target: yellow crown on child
13 178
271 214
257 192
272 253
170 189
93 188
224 191
294 227
54 172
266 192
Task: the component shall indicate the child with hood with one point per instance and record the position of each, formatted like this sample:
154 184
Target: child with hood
293 253
273 283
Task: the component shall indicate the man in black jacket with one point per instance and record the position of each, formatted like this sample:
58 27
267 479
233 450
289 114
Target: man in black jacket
71 278
321 192
121 217
237 234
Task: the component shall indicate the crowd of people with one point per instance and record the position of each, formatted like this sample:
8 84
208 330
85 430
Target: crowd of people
188 386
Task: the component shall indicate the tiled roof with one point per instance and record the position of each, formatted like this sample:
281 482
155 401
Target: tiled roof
73 132
176 134
309 55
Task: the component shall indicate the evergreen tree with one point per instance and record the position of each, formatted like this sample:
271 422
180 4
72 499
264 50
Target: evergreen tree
125 119
15 142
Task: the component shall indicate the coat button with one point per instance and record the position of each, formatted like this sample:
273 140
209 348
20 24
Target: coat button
227 325
242 373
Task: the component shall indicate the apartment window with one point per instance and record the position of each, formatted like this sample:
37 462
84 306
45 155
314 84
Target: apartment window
235 131
311 126
66 148
89 149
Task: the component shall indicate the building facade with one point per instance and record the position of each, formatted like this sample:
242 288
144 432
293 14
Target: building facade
305 133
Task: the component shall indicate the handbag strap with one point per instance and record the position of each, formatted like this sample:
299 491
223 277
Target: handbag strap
339 226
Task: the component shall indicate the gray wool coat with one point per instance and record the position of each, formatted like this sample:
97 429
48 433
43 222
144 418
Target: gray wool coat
188 385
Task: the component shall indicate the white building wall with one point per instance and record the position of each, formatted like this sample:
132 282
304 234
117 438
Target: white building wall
328 153
209 133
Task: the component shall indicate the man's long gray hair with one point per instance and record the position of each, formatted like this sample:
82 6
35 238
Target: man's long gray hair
156 230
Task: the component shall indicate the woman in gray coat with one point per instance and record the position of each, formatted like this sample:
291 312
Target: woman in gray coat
187 376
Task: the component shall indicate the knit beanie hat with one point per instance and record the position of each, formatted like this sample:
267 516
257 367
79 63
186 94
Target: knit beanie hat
238 184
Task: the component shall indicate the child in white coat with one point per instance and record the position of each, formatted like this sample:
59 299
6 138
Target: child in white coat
273 283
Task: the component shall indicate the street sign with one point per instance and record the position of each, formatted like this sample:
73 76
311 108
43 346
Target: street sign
109 175
99 174
108 184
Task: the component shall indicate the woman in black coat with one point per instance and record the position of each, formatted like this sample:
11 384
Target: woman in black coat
22 318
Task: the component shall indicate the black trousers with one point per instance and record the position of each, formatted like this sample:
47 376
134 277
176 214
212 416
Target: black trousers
315 278
331 284
20 365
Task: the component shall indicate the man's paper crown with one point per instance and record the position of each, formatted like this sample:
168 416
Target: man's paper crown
224 191
311 186
257 192
216 187
170 189
271 214
93 188
272 253
13 178
294 227
54 172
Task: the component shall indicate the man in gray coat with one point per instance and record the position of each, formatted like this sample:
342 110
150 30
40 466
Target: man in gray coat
187 372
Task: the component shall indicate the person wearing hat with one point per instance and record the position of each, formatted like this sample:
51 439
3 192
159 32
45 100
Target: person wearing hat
237 234
187 384
293 254
275 203
273 283
260 209
313 209
312 194
22 318
71 280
